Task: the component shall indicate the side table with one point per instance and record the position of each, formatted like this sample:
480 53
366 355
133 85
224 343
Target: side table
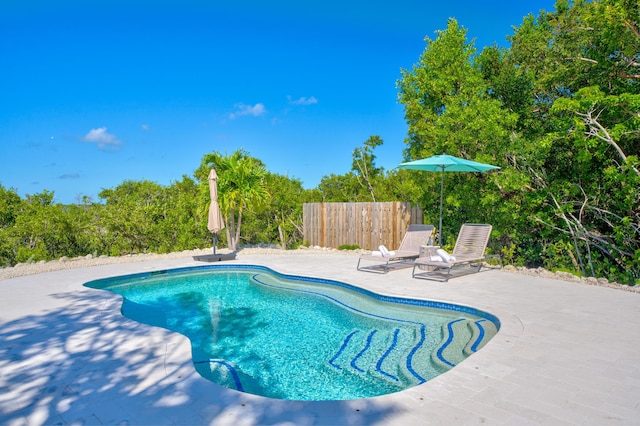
427 251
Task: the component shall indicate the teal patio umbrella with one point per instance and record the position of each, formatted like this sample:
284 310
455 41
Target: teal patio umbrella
446 163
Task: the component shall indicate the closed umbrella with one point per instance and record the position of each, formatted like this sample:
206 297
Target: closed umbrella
215 223
446 163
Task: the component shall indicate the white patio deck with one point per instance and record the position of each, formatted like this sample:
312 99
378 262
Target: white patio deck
567 353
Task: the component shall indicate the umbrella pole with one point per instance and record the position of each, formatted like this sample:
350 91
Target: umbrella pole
441 193
215 242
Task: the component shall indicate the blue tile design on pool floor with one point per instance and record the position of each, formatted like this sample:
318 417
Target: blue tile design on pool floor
386 354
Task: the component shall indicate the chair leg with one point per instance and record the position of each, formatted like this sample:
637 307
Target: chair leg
446 280
373 268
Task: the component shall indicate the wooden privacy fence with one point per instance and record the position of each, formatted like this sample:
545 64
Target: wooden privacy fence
367 225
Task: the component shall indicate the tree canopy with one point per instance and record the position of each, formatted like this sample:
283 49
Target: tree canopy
558 111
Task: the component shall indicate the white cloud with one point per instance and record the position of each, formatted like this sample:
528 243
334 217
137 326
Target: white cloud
303 101
104 139
145 127
242 109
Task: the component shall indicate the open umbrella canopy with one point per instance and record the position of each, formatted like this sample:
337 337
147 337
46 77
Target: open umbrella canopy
446 163
215 222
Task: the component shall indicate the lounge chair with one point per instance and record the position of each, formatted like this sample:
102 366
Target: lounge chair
409 249
469 249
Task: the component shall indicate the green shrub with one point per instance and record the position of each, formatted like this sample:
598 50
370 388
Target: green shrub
349 247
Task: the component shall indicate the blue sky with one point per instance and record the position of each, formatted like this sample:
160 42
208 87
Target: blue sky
93 93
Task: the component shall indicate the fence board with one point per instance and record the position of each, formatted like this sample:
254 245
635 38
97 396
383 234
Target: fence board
367 225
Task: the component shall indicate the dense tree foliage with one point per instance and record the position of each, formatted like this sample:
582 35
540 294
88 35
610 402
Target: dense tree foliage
366 182
157 218
449 110
558 111
584 167
135 217
281 220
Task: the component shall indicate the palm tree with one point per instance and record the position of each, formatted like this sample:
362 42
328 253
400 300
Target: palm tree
241 185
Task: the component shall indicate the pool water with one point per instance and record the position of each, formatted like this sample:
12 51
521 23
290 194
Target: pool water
288 337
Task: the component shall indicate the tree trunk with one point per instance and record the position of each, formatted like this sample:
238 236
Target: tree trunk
236 240
283 242
231 230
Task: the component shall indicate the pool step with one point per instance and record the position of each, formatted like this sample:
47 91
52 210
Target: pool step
392 356
224 373
460 338
483 330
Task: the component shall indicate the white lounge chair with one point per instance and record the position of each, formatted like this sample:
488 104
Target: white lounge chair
416 236
469 249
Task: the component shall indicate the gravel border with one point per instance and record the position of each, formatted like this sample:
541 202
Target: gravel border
22 269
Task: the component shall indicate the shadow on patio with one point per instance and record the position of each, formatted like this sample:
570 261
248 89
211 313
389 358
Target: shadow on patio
86 364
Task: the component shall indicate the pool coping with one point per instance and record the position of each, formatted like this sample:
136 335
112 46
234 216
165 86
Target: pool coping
537 369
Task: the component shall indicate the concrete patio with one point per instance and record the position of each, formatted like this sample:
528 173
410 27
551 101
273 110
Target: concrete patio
567 353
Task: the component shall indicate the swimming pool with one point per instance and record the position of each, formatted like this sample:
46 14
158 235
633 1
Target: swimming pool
290 337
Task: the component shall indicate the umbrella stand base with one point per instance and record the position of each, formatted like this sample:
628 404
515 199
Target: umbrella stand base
215 257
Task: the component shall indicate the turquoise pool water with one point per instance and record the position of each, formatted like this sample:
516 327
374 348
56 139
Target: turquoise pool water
289 337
